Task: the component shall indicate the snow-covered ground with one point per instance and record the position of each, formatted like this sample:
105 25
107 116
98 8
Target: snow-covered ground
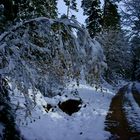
86 124
132 109
137 86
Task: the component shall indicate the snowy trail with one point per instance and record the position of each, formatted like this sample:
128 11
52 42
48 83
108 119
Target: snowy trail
86 124
92 122
136 93
123 118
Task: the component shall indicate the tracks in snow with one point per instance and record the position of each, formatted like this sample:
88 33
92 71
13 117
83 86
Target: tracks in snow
123 118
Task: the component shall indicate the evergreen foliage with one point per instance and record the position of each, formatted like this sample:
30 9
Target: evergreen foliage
111 17
41 52
13 11
94 20
44 54
71 4
131 18
135 44
7 116
9 9
115 44
118 56
35 8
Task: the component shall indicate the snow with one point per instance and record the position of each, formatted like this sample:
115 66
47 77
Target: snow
30 77
86 124
1 130
137 86
36 64
132 110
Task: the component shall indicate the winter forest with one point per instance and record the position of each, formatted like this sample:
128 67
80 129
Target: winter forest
64 79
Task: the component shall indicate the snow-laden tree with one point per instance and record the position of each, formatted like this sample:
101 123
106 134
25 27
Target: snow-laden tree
71 5
131 15
12 11
35 8
118 55
131 20
44 54
114 43
111 17
94 16
9 10
7 115
135 44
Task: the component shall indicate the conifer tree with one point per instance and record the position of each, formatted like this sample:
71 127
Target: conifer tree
115 44
16 10
118 56
26 9
71 4
9 12
7 116
111 17
135 44
94 20
131 19
36 8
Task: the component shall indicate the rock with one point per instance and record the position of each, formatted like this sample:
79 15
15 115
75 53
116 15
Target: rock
70 106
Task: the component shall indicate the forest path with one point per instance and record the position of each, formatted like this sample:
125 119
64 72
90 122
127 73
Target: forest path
123 118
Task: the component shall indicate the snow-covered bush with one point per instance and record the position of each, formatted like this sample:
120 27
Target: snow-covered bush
44 54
